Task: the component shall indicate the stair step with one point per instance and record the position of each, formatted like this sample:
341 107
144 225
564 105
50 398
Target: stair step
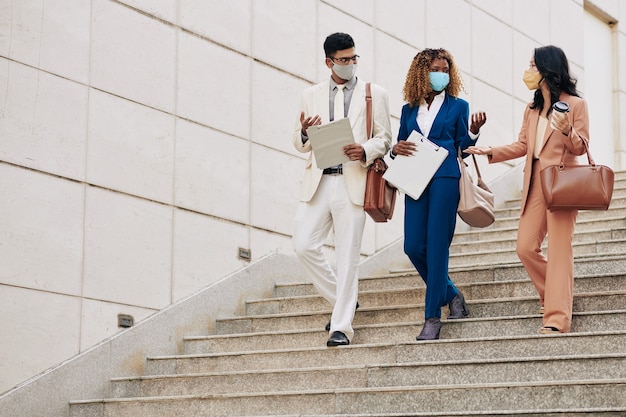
539 397
196 360
410 295
402 308
479 371
403 332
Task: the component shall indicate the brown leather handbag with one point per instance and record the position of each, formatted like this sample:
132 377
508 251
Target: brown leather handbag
380 196
577 187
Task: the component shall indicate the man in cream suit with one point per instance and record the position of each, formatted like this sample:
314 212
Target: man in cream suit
333 197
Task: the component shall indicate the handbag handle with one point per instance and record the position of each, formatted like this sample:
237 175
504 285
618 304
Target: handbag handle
586 145
458 150
368 109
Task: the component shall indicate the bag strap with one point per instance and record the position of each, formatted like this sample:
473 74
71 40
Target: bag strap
586 145
460 158
368 109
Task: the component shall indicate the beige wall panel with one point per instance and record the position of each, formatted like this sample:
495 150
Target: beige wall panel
39 330
275 107
44 120
131 147
284 35
487 64
224 22
212 172
263 242
401 19
361 9
99 320
532 18
563 33
133 55
128 249
164 9
274 189
213 85
205 250
393 59
41 221
439 34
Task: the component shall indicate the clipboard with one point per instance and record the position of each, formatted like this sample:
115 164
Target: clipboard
328 141
411 174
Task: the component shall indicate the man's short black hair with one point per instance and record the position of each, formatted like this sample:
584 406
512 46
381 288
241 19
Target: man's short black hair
337 42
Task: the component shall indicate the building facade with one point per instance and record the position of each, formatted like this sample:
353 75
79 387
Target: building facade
145 146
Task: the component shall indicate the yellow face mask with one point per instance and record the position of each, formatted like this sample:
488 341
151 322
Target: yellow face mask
532 79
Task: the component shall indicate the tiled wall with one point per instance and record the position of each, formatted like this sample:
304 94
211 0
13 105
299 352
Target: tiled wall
142 142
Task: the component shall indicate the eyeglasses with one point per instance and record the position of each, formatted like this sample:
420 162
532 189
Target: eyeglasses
345 61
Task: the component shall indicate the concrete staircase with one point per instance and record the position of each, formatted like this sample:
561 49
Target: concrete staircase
273 360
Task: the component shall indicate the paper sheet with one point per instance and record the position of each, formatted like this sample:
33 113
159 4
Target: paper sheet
328 141
411 174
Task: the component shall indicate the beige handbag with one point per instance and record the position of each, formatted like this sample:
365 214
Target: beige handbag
476 203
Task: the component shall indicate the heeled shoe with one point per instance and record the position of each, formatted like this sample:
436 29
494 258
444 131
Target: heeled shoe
431 329
458 308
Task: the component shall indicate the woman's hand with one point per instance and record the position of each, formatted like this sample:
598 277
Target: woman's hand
404 147
479 150
560 121
478 119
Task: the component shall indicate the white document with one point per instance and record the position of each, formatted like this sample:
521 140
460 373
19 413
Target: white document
411 174
328 141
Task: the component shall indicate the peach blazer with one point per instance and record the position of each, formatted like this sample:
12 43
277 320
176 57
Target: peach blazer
553 142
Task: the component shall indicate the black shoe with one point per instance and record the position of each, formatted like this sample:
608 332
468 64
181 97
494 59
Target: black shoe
458 308
431 329
338 339
328 324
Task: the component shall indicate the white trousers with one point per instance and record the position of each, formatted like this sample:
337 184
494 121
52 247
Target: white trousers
331 206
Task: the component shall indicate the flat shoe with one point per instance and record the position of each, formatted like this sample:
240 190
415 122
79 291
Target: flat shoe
338 339
541 310
549 330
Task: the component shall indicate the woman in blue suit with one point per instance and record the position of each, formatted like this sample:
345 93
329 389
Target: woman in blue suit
433 109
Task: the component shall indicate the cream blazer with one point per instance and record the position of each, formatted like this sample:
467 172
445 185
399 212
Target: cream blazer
315 100
552 149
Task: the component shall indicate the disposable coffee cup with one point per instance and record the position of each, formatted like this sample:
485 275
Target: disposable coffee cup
561 107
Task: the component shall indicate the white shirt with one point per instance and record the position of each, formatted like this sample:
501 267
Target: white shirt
426 116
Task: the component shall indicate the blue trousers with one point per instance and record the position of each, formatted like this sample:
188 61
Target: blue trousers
428 231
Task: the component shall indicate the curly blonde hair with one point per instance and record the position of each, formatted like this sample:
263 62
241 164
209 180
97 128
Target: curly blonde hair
417 84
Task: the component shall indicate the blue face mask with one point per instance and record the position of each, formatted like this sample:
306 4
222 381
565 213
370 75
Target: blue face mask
439 80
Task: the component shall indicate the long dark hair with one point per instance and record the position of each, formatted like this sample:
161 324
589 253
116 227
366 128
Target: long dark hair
552 63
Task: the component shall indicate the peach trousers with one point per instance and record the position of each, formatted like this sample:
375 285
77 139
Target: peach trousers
553 277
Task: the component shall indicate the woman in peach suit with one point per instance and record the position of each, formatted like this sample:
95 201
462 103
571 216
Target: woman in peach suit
544 136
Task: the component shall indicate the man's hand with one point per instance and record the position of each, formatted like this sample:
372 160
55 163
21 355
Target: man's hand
478 119
354 151
307 122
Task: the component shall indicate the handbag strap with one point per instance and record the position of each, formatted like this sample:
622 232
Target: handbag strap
368 109
460 158
586 145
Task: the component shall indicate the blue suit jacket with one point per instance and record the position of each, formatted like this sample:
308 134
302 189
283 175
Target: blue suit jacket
450 130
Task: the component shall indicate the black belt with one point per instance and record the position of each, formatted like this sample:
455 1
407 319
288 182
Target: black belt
333 170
